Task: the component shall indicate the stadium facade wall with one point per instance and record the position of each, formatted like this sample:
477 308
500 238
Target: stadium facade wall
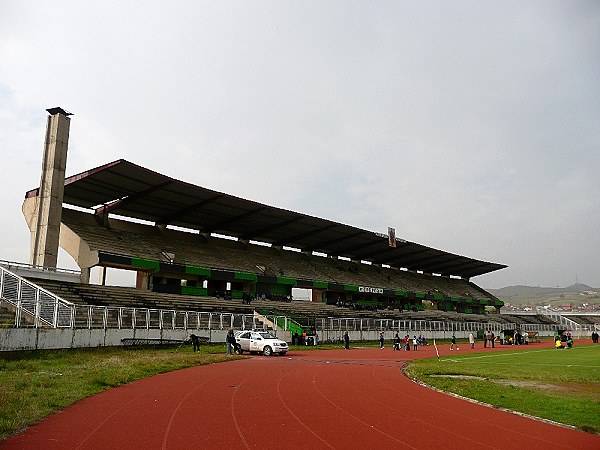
19 339
30 339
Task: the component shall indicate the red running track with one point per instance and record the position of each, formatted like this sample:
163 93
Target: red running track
336 399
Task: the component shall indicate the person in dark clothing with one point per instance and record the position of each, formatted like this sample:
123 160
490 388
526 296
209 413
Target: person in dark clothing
346 341
453 342
595 337
381 340
195 342
230 340
397 342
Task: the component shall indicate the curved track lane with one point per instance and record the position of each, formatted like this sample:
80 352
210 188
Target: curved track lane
331 399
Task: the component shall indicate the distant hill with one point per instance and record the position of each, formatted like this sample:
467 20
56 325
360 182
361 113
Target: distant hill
575 295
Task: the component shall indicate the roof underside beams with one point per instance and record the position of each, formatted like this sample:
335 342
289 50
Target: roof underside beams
130 190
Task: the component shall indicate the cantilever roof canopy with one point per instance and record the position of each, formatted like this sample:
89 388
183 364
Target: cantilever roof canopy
127 189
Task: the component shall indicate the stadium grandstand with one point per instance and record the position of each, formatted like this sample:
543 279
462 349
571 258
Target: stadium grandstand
208 260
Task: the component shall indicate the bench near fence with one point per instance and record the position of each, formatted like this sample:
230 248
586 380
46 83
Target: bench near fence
159 341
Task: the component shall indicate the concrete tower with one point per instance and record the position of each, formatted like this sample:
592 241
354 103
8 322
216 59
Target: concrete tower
43 211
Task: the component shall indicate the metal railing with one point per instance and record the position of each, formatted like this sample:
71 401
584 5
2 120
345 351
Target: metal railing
120 317
107 317
90 317
365 324
36 307
32 304
561 319
12 265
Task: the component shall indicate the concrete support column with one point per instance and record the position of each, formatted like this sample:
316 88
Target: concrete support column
85 275
45 231
142 280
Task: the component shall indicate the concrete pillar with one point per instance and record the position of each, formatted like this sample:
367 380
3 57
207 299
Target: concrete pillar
142 280
85 275
45 232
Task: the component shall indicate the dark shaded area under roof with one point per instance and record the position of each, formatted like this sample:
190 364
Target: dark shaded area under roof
129 190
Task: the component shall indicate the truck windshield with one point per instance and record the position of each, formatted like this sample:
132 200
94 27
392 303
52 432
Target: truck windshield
266 335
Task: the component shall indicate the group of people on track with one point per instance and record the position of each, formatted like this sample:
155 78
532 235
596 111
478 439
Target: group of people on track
405 342
564 340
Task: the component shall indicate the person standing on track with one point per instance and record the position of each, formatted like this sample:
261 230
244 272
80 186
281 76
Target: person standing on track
453 342
381 340
472 340
346 341
415 343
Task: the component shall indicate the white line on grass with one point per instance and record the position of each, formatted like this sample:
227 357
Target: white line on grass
529 364
495 355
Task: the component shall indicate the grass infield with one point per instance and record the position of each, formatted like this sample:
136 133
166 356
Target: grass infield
559 385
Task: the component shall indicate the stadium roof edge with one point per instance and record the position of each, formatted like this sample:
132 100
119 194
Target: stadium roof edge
127 189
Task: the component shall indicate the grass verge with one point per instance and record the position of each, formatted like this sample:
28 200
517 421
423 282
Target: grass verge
559 385
36 384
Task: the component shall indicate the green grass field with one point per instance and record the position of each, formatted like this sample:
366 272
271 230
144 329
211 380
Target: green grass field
559 385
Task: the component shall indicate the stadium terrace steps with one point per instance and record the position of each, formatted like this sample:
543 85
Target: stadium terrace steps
7 317
147 242
529 319
585 319
89 294
116 296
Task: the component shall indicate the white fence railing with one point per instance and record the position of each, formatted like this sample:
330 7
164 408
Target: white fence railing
36 307
564 321
16 266
32 304
426 326
104 317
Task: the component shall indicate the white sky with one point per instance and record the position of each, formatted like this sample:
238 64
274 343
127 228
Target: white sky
471 127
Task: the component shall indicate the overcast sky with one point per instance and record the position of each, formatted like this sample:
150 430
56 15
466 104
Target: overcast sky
471 127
